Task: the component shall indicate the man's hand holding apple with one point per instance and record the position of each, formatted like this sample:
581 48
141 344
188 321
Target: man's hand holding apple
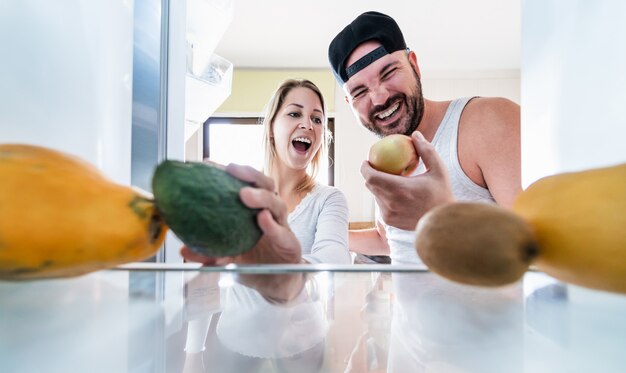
404 199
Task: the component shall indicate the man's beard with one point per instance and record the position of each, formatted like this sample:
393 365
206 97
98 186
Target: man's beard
405 125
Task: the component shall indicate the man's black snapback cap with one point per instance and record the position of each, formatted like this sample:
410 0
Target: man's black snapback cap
367 26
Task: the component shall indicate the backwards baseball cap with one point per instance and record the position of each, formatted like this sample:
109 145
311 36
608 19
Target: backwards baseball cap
367 26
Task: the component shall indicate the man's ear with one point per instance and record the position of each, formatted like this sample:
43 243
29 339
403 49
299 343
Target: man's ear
413 62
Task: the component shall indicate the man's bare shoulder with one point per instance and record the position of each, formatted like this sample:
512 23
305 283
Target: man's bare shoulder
489 146
482 113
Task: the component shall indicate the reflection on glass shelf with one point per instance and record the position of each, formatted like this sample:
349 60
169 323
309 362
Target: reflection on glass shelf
335 322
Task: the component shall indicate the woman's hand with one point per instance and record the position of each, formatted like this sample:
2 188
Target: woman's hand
278 244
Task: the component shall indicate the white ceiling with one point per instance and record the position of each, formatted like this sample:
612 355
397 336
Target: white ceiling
447 35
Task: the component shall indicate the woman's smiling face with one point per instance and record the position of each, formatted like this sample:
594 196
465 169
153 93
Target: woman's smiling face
298 128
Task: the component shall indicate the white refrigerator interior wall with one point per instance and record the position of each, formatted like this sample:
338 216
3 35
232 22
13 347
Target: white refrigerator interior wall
573 86
66 84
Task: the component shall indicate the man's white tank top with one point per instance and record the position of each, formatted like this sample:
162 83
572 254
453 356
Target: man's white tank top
402 242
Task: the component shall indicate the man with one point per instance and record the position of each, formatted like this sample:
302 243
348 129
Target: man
469 148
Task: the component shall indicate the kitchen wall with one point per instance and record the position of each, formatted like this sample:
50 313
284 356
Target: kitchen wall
253 87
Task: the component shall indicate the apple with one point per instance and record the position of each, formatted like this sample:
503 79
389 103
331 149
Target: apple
394 154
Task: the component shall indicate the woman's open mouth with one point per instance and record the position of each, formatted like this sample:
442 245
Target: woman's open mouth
301 144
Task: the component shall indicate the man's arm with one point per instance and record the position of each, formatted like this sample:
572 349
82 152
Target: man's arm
489 147
370 241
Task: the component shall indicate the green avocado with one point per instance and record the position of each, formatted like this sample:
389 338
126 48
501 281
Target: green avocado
200 203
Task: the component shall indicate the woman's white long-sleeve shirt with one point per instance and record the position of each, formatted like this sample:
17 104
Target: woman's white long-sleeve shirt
320 222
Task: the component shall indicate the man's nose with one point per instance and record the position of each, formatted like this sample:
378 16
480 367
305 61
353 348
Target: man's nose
379 95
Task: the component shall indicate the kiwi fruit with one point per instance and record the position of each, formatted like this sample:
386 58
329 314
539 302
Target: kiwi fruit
476 243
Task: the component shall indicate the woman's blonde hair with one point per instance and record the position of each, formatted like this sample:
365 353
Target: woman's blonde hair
271 110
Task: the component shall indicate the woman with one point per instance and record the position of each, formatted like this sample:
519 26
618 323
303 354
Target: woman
302 220
295 140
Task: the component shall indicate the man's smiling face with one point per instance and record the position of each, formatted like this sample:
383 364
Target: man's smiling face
386 96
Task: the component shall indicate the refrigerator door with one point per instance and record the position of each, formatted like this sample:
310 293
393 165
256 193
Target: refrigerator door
149 90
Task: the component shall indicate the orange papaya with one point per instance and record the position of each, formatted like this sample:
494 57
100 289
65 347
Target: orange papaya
61 217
